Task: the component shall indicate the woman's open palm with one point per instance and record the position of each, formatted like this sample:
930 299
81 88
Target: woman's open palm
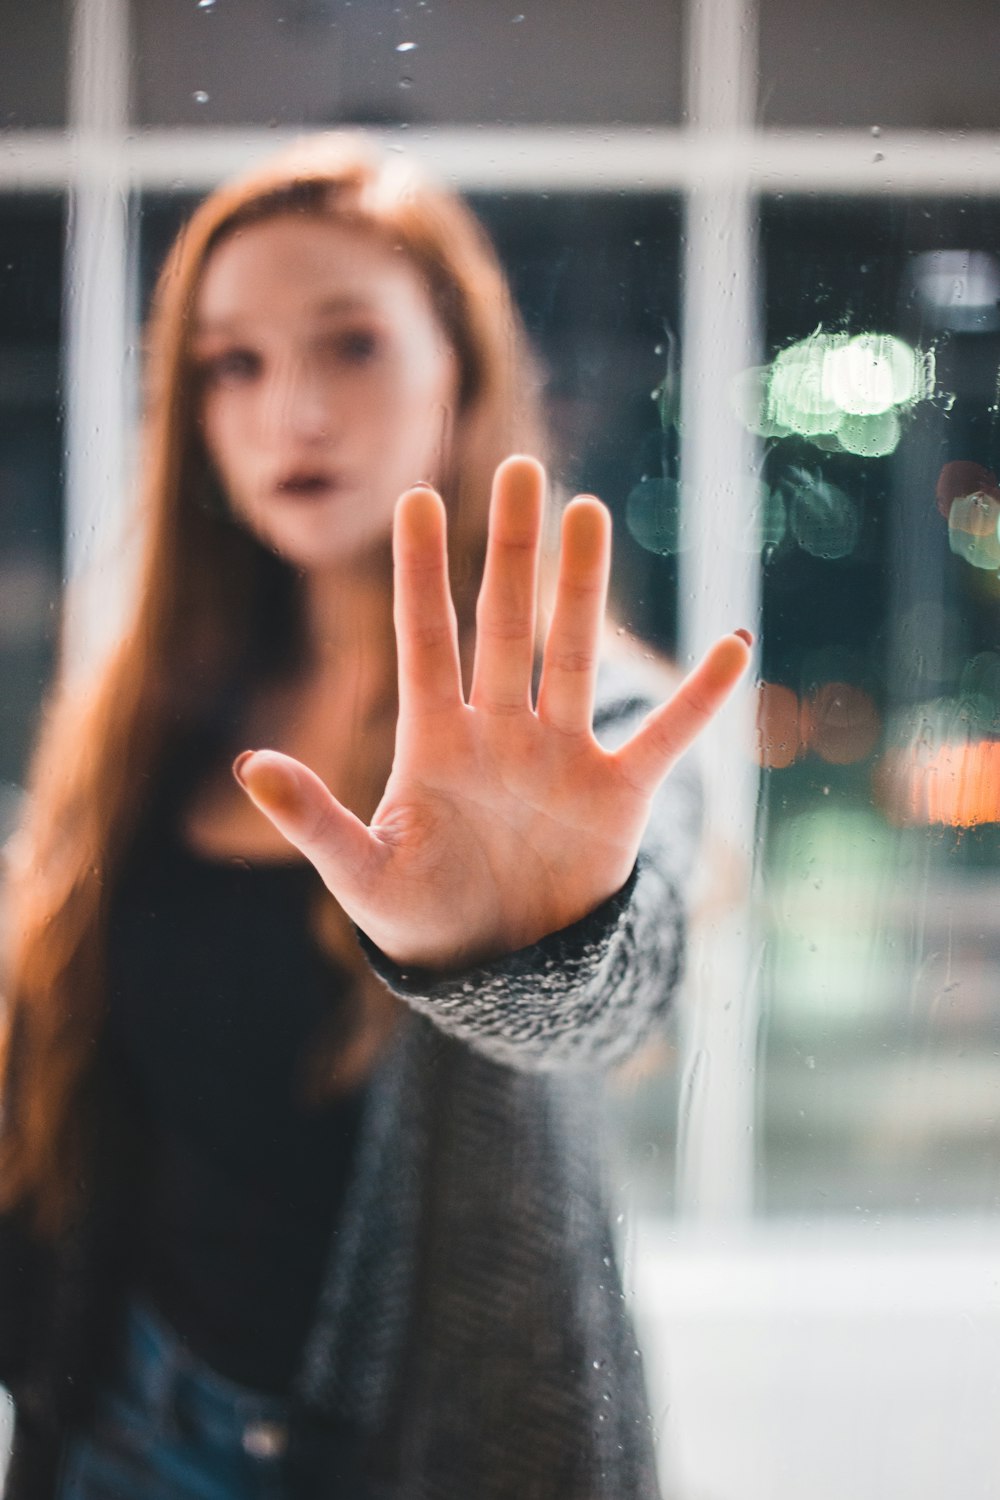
502 820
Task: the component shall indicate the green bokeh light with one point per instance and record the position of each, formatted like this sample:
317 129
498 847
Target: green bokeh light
874 436
653 516
973 522
823 519
796 395
872 373
843 391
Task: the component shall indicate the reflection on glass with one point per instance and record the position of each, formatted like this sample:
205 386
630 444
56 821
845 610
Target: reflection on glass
878 725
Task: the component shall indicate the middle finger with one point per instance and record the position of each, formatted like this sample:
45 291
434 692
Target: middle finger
505 614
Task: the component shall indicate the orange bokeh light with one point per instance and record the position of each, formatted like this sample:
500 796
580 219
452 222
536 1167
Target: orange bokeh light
955 785
778 738
838 722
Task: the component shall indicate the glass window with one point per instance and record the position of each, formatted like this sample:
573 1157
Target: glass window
918 66
321 62
30 472
596 278
881 705
33 61
863 1110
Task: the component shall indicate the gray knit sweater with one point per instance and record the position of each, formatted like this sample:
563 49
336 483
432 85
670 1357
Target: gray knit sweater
472 1320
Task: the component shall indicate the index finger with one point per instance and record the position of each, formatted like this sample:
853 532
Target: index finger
669 730
430 677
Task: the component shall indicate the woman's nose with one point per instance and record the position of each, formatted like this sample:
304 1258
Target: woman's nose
298 403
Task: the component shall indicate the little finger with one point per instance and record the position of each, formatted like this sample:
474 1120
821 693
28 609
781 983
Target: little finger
669 730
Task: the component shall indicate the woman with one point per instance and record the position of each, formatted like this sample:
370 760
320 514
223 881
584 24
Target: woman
299 1196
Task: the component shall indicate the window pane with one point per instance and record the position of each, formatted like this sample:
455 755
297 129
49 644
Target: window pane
33 65
596 277
321 62
881 706
30 472
919 65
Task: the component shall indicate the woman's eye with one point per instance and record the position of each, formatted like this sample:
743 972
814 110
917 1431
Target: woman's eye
355 346
231 368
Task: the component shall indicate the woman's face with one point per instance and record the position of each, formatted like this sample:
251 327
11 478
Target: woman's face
327 384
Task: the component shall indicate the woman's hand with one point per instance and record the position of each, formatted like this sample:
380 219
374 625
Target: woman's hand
501 821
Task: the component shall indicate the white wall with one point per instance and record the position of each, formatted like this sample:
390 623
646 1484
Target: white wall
835 1361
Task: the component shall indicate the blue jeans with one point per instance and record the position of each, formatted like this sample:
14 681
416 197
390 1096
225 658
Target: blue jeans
169 1428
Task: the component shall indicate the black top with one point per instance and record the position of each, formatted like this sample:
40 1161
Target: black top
219 996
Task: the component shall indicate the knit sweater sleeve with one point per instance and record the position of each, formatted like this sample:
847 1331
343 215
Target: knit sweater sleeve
588 995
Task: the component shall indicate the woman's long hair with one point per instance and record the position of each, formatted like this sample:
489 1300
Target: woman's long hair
215 612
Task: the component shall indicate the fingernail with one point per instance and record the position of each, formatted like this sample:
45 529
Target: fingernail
744 635
238 765
273 789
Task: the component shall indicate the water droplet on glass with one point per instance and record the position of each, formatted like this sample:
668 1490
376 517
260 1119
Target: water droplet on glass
876 131
407 47
200 97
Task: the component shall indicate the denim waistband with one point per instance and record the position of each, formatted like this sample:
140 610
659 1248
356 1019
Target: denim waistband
167 1380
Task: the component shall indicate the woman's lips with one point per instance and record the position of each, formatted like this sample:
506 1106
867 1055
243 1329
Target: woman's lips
306 486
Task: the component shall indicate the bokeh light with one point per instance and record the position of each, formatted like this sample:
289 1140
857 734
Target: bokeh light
968 496
958 289
870 436
797 395
844 392
823 519
837 721
961 477
872 373
972 530
840 723
653 516
942 769
956 785
778 742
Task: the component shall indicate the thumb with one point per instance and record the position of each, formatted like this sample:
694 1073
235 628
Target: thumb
306 813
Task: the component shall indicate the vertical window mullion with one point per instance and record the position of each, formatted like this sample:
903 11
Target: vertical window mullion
97 325
719 591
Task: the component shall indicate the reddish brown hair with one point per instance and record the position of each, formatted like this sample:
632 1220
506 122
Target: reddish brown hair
212 606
